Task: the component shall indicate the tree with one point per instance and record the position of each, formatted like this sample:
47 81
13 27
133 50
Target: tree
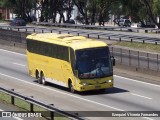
22 8
93 8
152 7
68 6
82 6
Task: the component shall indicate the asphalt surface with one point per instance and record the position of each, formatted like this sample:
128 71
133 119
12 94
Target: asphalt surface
127 94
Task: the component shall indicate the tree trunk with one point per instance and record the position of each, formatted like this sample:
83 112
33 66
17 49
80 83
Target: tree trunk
93 15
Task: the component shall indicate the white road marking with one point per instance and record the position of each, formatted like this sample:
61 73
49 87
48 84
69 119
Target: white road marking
141 96
13 52
137 81
19 64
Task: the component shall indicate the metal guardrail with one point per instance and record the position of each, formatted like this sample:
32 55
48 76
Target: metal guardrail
146 30
89 34
33 101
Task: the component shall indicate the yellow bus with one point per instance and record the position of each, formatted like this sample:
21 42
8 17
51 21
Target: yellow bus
75 62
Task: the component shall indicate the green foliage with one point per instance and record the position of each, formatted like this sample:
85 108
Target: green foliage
90 11
141 46
5 3
156 7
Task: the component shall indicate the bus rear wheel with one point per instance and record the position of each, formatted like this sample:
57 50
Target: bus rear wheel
40 80
71 88
43 80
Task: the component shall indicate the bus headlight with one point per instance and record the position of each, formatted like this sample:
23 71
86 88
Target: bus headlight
85 84
109 81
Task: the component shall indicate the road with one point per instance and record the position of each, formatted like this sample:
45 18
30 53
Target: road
127 94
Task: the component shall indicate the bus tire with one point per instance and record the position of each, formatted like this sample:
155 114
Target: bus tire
40 78
71 87
43 80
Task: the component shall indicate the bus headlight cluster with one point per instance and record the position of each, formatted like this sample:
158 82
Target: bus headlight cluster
85 84
108 81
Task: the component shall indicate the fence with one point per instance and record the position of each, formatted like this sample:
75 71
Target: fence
93 34
52 110
13 36
143 60
118 28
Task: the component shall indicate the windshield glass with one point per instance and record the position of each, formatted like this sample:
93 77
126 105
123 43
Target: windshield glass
93 63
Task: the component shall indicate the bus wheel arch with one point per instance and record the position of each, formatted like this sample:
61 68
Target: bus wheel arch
70 86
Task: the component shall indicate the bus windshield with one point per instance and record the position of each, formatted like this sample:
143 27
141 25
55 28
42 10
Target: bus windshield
93 63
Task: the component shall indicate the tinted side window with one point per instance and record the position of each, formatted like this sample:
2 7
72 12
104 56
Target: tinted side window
47 49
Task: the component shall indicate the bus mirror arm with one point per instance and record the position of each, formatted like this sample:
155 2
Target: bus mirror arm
113 60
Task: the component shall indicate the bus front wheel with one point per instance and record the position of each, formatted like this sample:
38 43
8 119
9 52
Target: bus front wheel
43 80
71 87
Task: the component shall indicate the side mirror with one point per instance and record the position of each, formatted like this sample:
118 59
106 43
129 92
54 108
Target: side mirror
113 60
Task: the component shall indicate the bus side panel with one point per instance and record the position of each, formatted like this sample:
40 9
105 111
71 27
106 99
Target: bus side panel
52 68
31 65
67 72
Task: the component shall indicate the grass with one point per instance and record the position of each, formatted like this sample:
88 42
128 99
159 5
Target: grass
5 97
141 46
25 106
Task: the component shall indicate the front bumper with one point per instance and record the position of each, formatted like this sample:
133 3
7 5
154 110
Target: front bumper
82 88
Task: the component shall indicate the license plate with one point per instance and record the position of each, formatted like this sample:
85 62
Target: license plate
98 86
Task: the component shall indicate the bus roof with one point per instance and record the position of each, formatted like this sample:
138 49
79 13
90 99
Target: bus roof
75 42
